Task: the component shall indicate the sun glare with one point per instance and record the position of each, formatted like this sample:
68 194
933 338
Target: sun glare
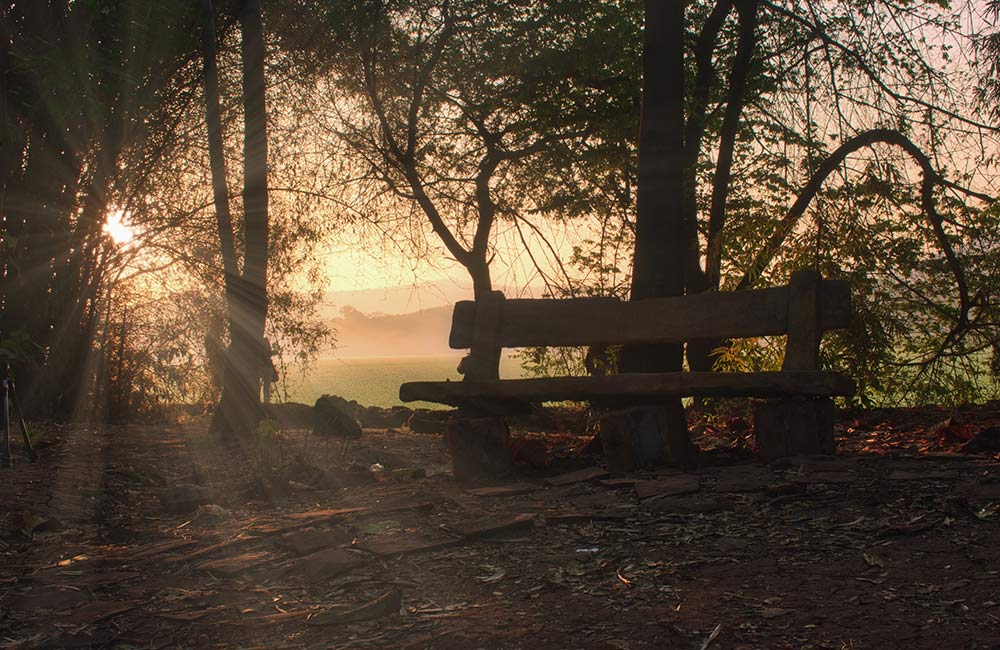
118 228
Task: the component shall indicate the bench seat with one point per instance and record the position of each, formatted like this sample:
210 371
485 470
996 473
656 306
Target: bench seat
643 420
631 386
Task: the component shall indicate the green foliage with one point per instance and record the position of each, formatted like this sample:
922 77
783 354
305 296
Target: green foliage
822 73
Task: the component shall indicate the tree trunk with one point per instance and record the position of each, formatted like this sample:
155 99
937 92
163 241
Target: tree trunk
483 360
240 409
699 352
660 246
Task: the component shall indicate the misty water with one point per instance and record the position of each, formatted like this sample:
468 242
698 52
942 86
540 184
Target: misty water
374 381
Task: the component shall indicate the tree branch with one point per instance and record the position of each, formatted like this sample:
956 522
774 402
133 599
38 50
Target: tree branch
748 13
930 179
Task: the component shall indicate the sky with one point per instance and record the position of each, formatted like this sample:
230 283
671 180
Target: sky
382 277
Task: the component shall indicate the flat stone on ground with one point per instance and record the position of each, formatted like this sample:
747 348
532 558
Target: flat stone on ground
326 564
688 505
403 543
811 478
598 500
681 484
310 540
508 490
578 476
748 479
492 525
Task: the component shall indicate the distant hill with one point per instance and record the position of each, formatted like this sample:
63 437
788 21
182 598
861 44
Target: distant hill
397 299
423 332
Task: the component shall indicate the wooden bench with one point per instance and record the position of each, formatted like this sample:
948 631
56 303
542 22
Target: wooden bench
797 420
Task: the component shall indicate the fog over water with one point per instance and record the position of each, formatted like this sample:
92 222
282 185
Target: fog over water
375 353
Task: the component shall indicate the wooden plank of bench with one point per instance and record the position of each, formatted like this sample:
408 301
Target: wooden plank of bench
804 333
593 321
637 386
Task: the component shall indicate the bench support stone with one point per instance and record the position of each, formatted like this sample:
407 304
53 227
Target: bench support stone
479 448
646 435
794 426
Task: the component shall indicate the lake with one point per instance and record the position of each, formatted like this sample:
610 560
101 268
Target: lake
374 381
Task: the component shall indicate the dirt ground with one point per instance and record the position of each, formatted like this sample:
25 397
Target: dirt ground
893 543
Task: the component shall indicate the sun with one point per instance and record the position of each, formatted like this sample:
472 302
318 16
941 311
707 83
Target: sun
118 228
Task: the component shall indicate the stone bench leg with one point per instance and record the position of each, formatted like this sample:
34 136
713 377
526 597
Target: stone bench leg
646 435
479 448
794 426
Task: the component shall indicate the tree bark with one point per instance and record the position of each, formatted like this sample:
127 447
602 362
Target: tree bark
240 409
699 352
658 265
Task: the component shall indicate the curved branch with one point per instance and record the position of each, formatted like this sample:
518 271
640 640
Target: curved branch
867 139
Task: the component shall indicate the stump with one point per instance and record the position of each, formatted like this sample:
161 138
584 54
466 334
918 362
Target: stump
479 448
794 427
646 435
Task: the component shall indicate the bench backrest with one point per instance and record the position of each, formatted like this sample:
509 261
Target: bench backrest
804 309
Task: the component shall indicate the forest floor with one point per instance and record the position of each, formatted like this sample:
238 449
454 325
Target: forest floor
892 543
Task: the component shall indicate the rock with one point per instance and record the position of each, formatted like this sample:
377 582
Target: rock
668 486
406 542
310 540
578 476
492 525
326 564
184 498
983 441
212 511
374 417
424 421
32 523
291 415
337 417
300 471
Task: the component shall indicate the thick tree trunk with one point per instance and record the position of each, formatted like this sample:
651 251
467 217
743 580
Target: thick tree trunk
239 409
660 246
663 236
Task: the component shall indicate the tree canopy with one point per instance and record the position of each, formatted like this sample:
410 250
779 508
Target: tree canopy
858 138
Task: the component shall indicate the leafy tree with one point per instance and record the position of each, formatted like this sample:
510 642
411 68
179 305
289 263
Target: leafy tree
461 108
90 91
839 136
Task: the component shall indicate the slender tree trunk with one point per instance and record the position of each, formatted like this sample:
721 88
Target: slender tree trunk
699 352
660 246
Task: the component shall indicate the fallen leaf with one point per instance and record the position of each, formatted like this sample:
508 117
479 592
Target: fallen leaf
711 637
495 576
774 612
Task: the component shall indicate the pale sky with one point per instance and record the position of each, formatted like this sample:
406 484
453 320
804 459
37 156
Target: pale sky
381 277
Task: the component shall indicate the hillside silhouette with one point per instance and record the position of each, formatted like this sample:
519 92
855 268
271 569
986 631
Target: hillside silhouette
423 332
